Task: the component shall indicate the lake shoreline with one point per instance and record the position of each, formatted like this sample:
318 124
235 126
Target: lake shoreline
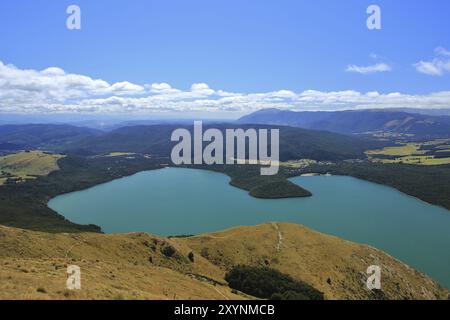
314 174
205 202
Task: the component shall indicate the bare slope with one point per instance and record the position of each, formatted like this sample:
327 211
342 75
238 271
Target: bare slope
140 266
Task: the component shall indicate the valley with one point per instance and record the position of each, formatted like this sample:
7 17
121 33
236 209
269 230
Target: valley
178 201
59 164
247 153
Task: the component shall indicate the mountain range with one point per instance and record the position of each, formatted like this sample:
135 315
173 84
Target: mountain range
356 122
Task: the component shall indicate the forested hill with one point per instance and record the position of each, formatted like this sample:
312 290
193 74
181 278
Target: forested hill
360 121
31 136
295 143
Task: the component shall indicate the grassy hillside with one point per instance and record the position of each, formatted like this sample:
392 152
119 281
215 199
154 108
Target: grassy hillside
140 266
27 165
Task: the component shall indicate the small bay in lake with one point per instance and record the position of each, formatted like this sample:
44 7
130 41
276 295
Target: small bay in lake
176 201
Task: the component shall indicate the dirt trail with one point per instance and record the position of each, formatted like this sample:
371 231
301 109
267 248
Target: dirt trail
279 245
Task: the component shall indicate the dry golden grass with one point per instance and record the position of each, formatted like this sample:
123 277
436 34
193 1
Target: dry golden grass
132 266
316 259
122 266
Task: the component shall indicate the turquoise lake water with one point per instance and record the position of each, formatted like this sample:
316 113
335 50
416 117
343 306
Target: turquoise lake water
175 201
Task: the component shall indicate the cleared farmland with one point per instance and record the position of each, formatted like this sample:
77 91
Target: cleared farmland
27 165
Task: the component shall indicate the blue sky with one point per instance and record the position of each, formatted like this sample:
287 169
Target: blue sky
234 46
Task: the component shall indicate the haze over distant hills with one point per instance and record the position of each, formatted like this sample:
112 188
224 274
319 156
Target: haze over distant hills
361 121
101 121
43 135
430 112
395 120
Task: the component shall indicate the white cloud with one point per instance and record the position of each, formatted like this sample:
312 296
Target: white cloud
126 88
379 67
199 86
160 87
53 72
53 84
432 68
202 89
436 67
442 51
54 91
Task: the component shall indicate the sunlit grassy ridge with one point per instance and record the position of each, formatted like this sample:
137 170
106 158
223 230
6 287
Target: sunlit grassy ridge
141 266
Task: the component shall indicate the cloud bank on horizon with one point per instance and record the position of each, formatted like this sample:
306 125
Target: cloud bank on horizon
53 91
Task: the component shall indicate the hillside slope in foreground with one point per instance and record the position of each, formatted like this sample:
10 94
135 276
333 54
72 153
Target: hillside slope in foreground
142 266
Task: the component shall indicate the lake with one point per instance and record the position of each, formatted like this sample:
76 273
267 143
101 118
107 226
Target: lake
176 201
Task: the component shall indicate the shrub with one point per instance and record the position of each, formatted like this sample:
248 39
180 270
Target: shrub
41 290
267 283
168 251
204 253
